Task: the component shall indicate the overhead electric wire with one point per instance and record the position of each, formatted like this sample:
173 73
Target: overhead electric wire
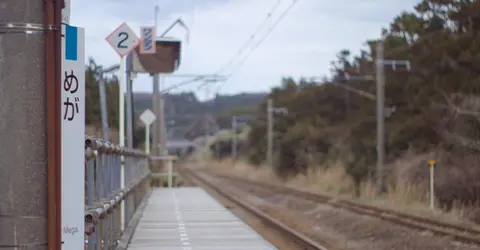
198 78
269 31
242 62
239 52
252 36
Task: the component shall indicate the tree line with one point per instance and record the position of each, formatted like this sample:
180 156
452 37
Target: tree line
434 103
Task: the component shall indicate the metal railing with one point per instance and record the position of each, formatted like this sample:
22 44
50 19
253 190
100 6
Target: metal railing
170 173
113 191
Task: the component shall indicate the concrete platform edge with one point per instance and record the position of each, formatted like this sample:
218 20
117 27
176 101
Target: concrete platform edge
130 230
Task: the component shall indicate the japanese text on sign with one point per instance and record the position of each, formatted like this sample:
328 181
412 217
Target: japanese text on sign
147 35
72 88
70 85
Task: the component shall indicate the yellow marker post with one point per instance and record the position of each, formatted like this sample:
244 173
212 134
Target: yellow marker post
431 164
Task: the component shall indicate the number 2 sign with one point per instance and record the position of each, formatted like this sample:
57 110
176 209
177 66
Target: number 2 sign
123 39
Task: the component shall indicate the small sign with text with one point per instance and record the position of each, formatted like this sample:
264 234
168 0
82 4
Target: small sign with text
147 37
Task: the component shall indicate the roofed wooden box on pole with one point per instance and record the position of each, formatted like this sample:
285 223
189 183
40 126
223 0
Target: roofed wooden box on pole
165 60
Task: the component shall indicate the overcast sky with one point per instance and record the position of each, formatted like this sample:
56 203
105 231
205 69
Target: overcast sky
303 43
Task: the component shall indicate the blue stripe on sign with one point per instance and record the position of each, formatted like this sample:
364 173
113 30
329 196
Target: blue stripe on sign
71 39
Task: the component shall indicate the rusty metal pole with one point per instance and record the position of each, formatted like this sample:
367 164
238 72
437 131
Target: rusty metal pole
29 165
53 18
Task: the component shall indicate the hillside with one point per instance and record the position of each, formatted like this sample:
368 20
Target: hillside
184 109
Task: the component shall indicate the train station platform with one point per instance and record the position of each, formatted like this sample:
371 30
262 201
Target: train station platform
188 218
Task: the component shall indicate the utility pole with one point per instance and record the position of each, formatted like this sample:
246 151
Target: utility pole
206 84
207 127
163 132
234 138
217 139
129 104
29 87
380 116
270 132
103 96
103 106
160 135
156 105
271 110
380 79
155 110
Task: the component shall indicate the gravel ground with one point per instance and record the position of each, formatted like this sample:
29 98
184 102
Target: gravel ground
342 228
454 217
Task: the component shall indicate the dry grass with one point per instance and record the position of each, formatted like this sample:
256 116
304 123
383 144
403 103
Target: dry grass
332 180
242 169
402 195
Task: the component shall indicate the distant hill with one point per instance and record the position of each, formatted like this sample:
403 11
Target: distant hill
184 110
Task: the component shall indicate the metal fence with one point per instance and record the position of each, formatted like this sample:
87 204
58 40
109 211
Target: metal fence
106 197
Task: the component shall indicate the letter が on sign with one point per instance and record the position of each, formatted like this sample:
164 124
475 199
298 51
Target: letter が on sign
147 37
72 118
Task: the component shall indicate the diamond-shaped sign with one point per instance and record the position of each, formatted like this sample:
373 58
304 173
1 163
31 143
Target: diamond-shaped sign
123 39
148 117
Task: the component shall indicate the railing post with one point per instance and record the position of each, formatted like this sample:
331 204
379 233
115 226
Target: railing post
92 240
170 173
99 189
122 186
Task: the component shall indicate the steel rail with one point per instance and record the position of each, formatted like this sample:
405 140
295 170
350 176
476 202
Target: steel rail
457 232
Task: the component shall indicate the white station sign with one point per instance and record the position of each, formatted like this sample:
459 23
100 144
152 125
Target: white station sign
73 137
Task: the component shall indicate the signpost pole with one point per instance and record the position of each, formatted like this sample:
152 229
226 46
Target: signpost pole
123 40
147 139
121 134
148 118
121 104
432 194
431 165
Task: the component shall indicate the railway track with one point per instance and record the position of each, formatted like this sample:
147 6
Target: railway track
455 232
298 238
